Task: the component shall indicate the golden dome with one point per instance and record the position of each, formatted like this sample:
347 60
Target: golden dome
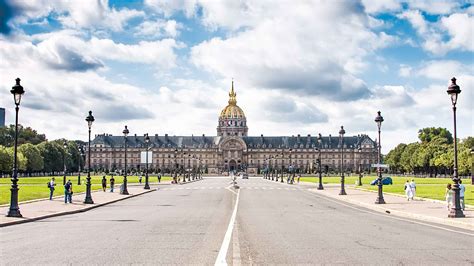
232 110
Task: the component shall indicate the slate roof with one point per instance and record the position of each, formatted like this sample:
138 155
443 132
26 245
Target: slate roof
261 142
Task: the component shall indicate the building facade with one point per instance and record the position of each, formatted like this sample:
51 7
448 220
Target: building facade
233 150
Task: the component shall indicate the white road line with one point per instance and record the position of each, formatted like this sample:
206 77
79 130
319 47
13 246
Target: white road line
225 243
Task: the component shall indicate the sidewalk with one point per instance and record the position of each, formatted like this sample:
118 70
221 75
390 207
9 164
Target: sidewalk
420 209
41 209
44 208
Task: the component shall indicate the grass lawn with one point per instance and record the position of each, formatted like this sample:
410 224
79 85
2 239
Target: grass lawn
36 187
433 188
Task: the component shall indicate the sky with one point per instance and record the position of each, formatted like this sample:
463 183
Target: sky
299 67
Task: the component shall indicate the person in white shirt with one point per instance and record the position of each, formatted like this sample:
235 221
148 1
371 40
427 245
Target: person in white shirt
51 185
413 188
408 191
462 189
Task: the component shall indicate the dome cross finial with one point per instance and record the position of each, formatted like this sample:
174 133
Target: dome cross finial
232 95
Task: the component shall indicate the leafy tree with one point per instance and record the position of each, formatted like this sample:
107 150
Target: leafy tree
429 133
25 135
407 160
393 157
6 161
33 156
52 154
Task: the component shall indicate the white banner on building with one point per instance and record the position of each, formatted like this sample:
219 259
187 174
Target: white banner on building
143 157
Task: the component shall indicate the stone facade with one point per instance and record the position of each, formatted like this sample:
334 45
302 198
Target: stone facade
232 149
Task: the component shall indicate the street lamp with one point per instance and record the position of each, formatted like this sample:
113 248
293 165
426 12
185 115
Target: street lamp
124 190
291 168
379 200
147 142
456 212
341 141
320 141
88 200
64 162
14 210
360 166
175 176
282 165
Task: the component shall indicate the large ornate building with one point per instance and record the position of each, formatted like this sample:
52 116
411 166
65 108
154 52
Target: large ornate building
233 149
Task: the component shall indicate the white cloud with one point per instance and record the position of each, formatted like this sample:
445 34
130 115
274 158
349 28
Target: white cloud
435 7
68 51
167 8
404 71
316 49
452 32
379 6
94 14
159 28
443 69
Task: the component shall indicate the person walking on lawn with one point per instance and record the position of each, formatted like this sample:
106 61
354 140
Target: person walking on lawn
51 186
104 183
112 183
159 177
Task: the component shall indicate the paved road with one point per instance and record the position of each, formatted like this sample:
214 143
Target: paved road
275 224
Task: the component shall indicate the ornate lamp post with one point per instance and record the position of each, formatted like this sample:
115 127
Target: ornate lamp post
456 212
125 134
282 166
380 199
341 140
320 141
14 210
147 142
360 166
175 176
64 162
88 200
291 166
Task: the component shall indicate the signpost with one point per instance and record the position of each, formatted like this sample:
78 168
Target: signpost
375 165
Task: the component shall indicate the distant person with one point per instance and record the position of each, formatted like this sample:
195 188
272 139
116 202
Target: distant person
462 189
159 177
68 192
140 179
413 188
408 191
449 196
51 186
299 176
112 183
104 183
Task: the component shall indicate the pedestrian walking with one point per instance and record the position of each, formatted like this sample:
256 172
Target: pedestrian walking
449 196
413 188
68 192
112 183
462 189
104 183
408 191
140 179
51 186
299 176
159 177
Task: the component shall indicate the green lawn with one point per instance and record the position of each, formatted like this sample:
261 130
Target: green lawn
433 188
36 187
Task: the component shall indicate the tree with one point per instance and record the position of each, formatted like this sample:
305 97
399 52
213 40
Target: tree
407 158
25 135
394 156
52 154
429 133
6 161
33 156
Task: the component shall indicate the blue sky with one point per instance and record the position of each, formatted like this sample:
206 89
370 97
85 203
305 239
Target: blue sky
299 67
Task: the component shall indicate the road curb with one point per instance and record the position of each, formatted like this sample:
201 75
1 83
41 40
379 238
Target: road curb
401 213
72 212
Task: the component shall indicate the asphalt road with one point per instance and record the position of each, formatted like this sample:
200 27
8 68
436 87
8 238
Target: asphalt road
274 224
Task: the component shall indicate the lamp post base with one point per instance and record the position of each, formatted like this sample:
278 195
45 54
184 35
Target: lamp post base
379 200
15 212
342 192
88 200
320 186
456 213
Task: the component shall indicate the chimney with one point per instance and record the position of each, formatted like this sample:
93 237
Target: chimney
330 141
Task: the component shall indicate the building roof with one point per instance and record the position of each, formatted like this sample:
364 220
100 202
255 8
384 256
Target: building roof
261 142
